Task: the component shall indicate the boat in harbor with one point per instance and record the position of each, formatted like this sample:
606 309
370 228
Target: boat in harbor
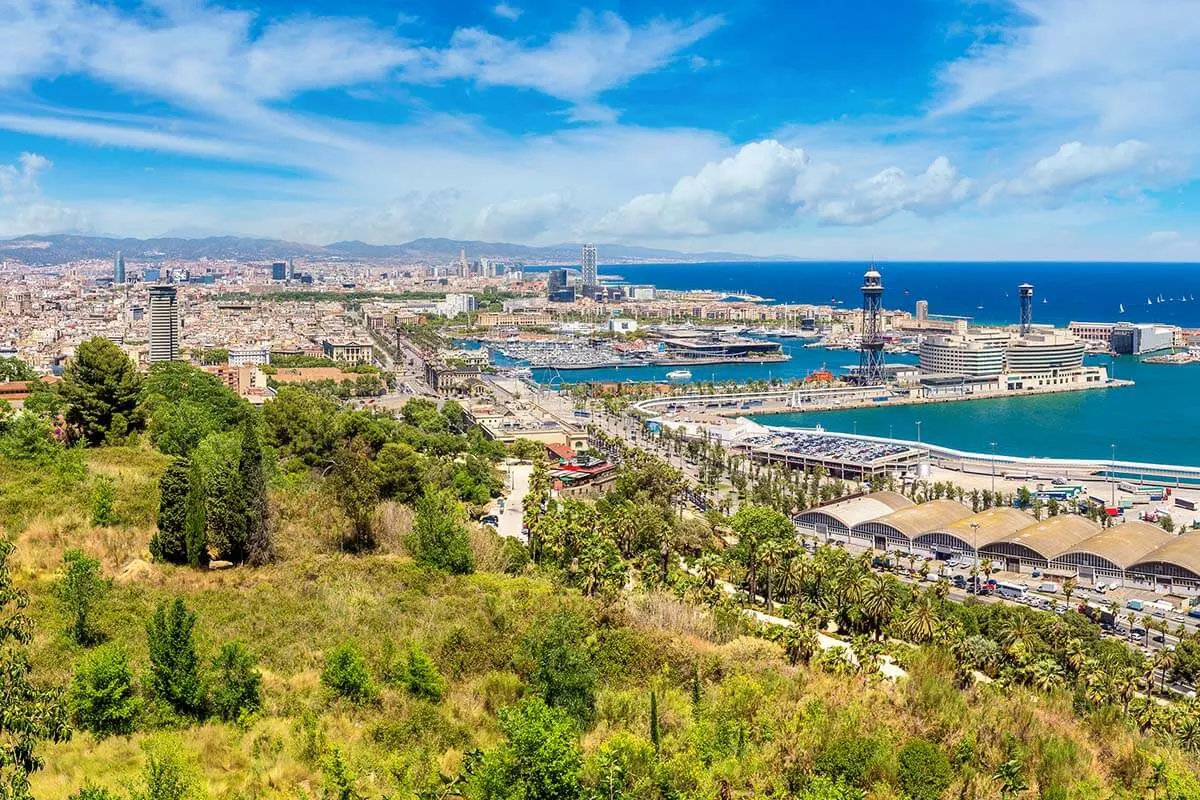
679 374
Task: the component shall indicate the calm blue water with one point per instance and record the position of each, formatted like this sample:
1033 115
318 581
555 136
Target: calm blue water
1063 291
1152 421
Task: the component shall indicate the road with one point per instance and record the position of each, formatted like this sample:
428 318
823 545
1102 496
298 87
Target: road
512 519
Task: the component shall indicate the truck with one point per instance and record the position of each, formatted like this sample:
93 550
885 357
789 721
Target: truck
1135 604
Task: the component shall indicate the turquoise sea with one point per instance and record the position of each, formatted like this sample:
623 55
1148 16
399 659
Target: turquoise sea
1156 420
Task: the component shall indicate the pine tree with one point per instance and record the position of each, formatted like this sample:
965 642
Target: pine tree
170 542
174 665
31 713
259 545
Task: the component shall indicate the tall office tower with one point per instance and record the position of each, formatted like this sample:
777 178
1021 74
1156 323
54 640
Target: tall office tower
922 311
557 288
1026 293
291 269
164 324
464 268
279 271
870 356
587 266
118 268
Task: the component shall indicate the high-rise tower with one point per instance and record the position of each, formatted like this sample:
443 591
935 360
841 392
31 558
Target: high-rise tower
164 324
1026 292
587 266
870 357
118 268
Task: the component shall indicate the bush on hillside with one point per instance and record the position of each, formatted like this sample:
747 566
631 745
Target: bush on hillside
924 770
102 697
175 674
237 683
346 674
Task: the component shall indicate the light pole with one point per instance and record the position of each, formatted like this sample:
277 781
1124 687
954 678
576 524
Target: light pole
918 431
1112 474
975 554
993 467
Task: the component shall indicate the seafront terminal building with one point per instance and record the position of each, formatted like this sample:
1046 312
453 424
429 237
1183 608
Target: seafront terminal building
1136 554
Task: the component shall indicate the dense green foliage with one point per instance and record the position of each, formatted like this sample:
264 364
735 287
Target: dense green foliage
174 674
79 589
439 538
102 695
101 386
346 674
237 683
169 542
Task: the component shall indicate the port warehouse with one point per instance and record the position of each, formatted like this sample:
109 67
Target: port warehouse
1135 553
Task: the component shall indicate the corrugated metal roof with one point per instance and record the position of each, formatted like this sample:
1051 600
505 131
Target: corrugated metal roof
931 516
863 509
1124 544
1054 535
1182 551
994 524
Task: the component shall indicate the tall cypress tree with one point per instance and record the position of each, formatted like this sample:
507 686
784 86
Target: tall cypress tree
260 546
170 542
655 734
195 524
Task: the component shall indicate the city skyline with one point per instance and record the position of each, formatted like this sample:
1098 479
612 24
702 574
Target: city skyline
1029 129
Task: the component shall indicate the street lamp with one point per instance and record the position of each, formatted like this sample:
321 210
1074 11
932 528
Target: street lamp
975 553
1112 474
993 467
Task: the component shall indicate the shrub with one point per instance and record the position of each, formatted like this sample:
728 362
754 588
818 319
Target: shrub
848 759
440 538
346 674
924 770
102 698
539 760
167 775
92 792
562 670
237 683
174 666
79 589
104 495
418 674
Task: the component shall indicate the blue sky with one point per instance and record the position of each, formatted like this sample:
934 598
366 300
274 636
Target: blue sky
816 128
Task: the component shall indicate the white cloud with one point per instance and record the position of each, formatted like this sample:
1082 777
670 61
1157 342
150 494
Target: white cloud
600 53
523 219
22 207
505 11
762 186
934 191
1163 237
767 185
1122 67
1073 167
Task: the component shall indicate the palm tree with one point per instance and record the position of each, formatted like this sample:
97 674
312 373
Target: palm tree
1162 661
770 554
799 643
1068 588
878 601
1046 675
922 621
709 566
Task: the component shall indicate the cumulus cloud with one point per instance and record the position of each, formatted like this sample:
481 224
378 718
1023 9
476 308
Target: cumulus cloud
23 209
524 218
763 185
934 191
767 185
1072 167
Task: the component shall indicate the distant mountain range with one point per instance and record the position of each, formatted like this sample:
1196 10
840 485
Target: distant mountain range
62 248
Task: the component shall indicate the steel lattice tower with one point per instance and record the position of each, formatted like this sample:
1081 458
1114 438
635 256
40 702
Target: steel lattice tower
1026 292
870 357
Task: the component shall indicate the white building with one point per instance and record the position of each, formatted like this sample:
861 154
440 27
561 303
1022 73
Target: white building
246 356
454 304
622 325
975 355
640 292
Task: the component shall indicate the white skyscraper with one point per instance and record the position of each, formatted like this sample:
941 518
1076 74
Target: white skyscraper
164 324
587 265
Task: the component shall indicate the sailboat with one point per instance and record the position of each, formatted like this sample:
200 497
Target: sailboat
1148 302
1121 308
